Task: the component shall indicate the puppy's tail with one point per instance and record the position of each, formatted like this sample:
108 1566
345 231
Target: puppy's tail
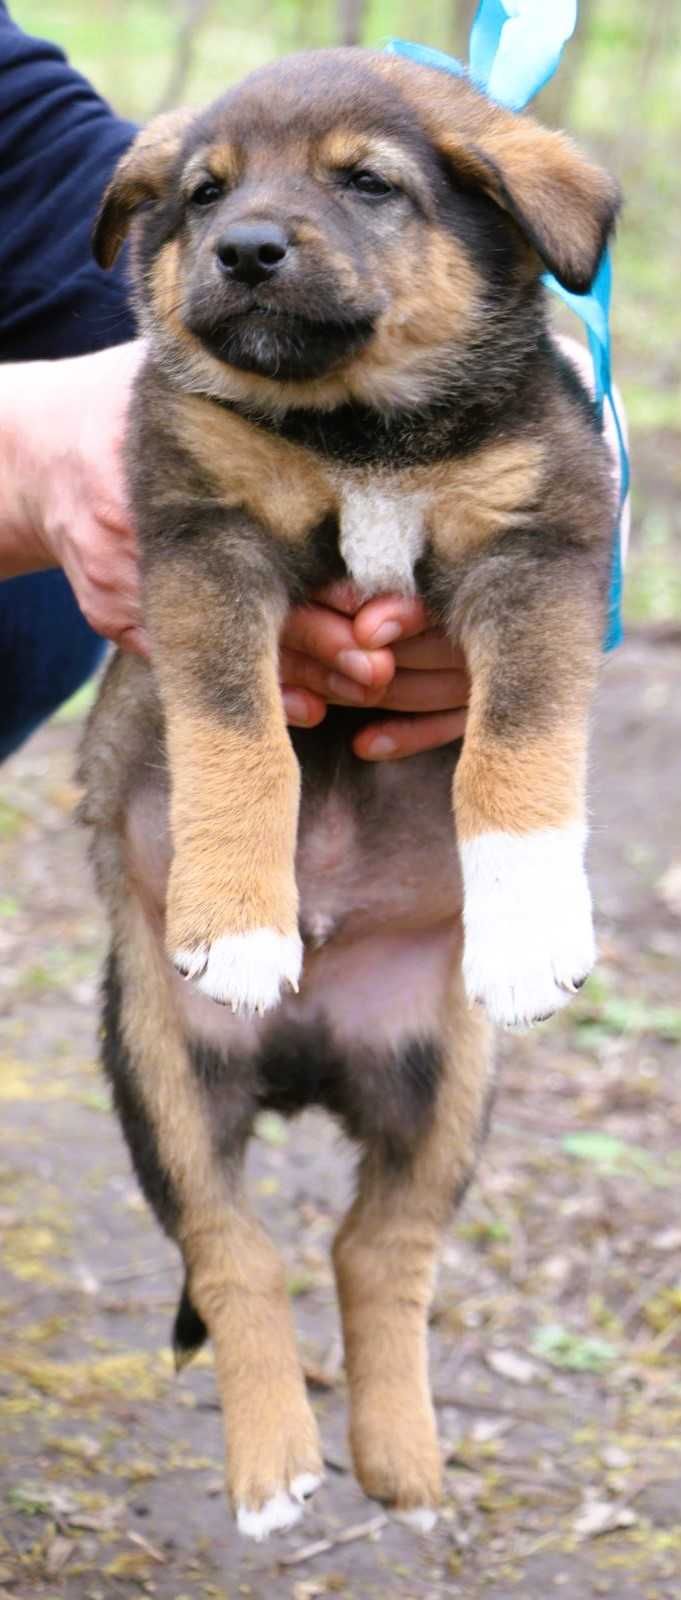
189 1331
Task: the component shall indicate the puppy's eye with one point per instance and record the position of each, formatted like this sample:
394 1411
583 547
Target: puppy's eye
370 184
206 194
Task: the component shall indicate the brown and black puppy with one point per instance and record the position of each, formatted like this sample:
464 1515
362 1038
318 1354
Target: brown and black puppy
337 268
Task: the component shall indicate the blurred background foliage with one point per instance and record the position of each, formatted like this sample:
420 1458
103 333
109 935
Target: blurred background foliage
618 89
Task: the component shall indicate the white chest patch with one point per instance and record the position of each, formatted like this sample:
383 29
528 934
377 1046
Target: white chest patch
382 535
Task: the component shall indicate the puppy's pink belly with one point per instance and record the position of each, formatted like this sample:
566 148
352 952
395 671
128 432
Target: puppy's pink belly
380 989
352 884
382 930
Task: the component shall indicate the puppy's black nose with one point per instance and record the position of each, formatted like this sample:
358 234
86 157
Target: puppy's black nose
252 251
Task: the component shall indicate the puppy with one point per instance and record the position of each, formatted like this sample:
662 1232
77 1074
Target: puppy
337 268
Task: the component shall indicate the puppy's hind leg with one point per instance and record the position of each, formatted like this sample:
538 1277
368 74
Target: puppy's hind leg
385 1258
235 1285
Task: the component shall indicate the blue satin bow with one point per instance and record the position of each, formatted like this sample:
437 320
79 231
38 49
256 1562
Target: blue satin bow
515 47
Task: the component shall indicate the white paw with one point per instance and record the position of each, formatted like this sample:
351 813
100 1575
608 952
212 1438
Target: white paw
283 1510
529 940
246 971
422 1518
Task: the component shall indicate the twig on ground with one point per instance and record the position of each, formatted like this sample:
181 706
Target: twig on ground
359 1530
463 1402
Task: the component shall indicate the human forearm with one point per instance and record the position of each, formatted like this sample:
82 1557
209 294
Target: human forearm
21 547
62 498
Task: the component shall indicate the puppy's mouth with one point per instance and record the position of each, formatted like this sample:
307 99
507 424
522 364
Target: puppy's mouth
283 344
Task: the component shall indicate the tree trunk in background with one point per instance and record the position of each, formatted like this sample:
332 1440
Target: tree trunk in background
192 14
351 14
463 12
553 104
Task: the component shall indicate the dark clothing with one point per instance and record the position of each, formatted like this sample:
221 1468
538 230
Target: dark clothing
59 142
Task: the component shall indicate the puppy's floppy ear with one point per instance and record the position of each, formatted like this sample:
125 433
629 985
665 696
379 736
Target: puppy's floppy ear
141 175
564 205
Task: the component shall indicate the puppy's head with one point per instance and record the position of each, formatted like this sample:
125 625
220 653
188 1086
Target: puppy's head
346 224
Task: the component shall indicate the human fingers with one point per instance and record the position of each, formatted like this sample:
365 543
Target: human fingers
326 638
389 617
428 651
299 671
426 691
399 737
302 709
101 566
135 640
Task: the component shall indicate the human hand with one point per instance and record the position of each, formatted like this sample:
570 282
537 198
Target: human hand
382 653
67 420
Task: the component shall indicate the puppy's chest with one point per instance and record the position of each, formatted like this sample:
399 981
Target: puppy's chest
382 533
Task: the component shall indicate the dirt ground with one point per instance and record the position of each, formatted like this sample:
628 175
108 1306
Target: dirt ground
557 1324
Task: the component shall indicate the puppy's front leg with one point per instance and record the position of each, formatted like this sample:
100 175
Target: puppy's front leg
519 791
232 903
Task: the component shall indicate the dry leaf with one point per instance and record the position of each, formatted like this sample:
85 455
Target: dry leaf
57 1554
668 888
602 1516
145 1544
509 1365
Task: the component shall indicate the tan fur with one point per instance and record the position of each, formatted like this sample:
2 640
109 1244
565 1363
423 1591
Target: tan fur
519 788
478 497
469 499
216 161
283 486
234 793
140 175
236 1279
167 287
234 810
539 781
385 1258
344 149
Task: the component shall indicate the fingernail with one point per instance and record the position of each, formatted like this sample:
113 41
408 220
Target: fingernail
355 664
345 689
386 634
296 707
382 745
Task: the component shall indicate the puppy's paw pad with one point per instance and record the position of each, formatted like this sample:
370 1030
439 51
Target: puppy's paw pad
283 1510
529 941
247 971
421 1518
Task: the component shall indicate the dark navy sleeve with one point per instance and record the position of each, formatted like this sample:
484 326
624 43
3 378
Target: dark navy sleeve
59 143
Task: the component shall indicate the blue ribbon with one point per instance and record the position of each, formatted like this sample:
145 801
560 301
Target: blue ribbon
515 47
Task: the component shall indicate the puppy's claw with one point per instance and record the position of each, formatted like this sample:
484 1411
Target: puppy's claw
191 963
246 971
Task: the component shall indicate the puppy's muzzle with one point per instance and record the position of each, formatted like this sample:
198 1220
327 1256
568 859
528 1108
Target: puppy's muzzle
252 252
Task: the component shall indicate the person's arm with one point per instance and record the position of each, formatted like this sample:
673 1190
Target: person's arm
62 498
